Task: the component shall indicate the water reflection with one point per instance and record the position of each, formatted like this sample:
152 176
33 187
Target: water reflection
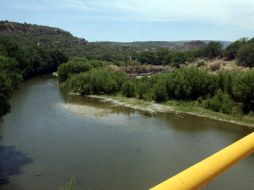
11 163
96 103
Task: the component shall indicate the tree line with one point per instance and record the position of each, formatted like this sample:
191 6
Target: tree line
242 50
19 62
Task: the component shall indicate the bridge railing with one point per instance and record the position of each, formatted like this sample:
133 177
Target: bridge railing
199 175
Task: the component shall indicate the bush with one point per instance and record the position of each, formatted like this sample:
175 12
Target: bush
243 90
77 65
190 83
160 92
211 50
128 89
231 51
245 55
74 66
220 102
95 81
214 67
178 58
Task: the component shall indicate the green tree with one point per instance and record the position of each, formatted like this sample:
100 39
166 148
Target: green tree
212 50
231 51
245 55
5 90
74 66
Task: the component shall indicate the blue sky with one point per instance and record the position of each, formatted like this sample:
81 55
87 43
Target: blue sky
138 20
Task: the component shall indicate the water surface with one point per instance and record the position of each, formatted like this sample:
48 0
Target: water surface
43 145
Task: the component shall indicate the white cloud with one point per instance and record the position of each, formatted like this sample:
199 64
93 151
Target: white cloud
239 13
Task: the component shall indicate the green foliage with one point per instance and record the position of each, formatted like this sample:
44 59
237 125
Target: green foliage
245 55
5 90
9 67
74 66
96 81
77 65
211 50
21 61
225 81
178 58
128 89
231 51
243 90
190 83
164 57
142 87
220 102
160 91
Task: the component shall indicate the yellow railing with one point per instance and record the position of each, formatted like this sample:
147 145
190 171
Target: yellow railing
199 175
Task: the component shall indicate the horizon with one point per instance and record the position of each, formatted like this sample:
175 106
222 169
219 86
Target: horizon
138 21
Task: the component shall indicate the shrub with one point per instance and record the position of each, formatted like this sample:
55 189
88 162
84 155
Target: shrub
96 81
190 83
243 90
128 89
77 65
215 67
231 51
220 102
160 92
245 55
212 50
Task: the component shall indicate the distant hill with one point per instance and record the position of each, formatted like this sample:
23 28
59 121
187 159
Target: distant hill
51 37
42 36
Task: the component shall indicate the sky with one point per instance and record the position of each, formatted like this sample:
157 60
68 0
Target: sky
138 20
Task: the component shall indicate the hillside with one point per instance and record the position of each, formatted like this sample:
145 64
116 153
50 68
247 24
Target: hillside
48 37
51 37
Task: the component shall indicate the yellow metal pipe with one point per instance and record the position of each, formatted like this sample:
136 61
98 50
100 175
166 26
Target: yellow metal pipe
199 175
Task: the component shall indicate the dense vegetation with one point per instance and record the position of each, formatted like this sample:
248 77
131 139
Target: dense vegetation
19 62
242 50
225 92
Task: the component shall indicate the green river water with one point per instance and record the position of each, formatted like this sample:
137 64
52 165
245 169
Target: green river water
44 144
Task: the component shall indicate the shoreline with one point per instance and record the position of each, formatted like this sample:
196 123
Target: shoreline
152 109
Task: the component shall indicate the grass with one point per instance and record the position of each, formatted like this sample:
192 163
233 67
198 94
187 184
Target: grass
194 108
70 185
187 107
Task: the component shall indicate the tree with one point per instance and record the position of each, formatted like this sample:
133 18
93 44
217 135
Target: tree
178 58
74 66
212 50
5 90
231 51
245 55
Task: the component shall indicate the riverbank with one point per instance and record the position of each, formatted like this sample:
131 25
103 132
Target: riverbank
180 108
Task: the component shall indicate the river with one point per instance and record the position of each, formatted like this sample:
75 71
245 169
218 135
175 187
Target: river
43 144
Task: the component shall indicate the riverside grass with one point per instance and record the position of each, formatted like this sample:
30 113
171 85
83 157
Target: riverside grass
179 107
